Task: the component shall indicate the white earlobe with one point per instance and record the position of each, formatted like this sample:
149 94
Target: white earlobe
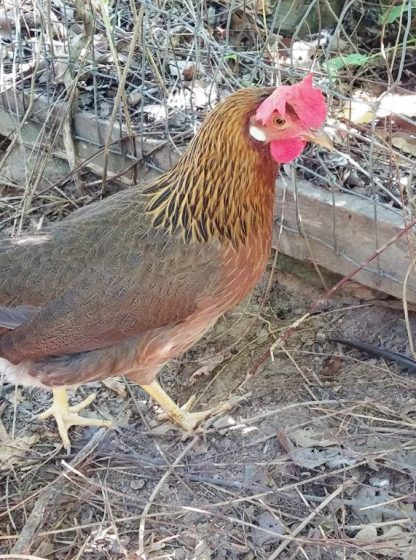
257 133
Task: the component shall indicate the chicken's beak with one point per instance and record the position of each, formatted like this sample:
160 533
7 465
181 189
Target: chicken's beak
319 137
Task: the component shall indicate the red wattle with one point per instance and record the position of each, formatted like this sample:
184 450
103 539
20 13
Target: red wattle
285 151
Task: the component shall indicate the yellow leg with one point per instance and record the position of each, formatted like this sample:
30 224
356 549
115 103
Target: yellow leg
67 416
180 415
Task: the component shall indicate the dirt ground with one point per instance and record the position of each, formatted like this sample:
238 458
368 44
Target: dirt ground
317 459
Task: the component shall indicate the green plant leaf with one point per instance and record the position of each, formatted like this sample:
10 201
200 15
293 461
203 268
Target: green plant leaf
354 59
394 12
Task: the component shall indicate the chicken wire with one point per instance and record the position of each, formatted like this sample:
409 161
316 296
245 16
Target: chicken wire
147 73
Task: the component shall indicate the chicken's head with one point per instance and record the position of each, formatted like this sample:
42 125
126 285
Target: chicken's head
289 118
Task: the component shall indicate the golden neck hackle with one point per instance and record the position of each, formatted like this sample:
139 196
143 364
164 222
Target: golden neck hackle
222 186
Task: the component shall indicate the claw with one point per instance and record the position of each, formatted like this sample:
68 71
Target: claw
67 416
188 421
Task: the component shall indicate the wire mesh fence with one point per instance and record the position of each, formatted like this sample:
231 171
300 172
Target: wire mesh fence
118 89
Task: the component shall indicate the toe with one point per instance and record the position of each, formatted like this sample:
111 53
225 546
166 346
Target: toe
75 420
189 421
187 407
83 404
63 432
46 413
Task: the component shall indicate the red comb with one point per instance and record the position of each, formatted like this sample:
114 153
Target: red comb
307 102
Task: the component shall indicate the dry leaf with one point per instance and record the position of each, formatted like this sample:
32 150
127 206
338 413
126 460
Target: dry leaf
407 509
135 97
397 104
263 7
208 364
366 534
405 142
200 372
270 522
331 367
12 452
156 112
312 458
190 72
363 109
400 133
60 69
402 543
184 68
4 436
369 496
115 384
359 110
312 437
202 551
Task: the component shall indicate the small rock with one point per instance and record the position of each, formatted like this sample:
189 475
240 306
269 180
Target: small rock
354 180
183 68
320 336
137 483
134 97
156 112
189 72
180 554
379 482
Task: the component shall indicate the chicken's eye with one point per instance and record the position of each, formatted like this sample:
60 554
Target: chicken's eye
278 120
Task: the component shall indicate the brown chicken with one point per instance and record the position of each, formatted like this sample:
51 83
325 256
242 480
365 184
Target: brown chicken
126 284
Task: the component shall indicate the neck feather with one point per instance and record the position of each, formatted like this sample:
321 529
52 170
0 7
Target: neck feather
222 187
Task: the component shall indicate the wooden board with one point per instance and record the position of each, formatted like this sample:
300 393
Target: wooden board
339 231
125 158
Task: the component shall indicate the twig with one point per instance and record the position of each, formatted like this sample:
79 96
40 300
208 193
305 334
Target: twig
394 513
47 496
406 308
141 550
121 93
313 514
20 557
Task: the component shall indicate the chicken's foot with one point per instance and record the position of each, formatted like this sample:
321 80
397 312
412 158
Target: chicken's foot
67 416
182 416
